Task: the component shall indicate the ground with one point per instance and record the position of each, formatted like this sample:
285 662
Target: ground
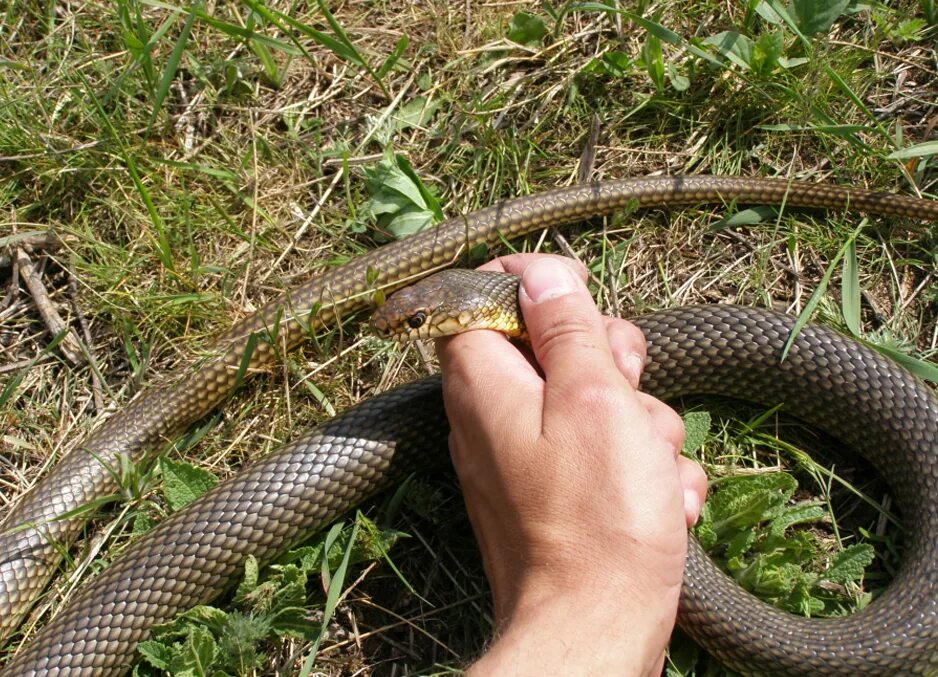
194 161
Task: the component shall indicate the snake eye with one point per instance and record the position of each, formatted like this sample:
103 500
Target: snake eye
416 320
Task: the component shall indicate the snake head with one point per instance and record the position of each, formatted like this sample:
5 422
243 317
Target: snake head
451 302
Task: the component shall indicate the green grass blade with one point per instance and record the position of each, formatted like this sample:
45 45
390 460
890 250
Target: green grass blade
850 289
922 368
172 65
163 248
926 149
805 315
336 581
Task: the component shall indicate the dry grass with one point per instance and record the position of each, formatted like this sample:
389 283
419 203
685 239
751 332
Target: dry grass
255 182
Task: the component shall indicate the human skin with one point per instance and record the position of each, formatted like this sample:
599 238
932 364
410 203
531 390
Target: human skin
573 482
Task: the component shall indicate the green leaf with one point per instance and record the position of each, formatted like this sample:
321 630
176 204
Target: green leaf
271 71
335 582
850 564
746 217
696 428
653 60
172 65
526 29
653 27
679 83
797 514
773 12
921 368
614 63
198 653
926 149
767 52
812 303
399 200
743 502
251 575
183 483
850 289
733 46
816 16
155 653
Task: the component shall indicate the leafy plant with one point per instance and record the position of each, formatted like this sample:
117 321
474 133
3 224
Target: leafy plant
399 202
268 607
747 523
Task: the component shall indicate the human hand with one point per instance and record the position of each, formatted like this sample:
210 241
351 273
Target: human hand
573 481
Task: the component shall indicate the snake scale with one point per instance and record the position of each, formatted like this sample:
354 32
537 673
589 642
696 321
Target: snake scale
828 380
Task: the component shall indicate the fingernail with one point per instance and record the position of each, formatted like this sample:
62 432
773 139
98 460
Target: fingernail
548 279
691 506
634 363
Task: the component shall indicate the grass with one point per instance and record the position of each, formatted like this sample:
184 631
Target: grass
196 159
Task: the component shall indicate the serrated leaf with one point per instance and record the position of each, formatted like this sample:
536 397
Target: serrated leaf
155 653
696 428
850 564
197 654
209 616
743 502
183 483
251 575
798 514
740 544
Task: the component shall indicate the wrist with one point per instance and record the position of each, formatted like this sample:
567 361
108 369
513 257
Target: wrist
601 627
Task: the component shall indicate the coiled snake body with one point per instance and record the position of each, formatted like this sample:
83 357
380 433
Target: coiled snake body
865 400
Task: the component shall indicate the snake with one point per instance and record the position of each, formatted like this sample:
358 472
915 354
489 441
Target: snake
843 387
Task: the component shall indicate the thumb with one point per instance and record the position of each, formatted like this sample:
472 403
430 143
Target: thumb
566 328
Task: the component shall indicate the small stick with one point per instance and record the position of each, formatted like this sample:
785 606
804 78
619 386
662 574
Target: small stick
70 346
86 332
42 239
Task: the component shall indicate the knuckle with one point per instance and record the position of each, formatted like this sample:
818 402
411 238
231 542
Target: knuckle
600 398
574 331
672 426
635 338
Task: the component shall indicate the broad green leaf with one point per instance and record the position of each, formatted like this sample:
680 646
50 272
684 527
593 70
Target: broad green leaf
251 575
746 217
679 83
850 564
183 483
696 428
733 46
155 653
198 655
817 16
526 29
